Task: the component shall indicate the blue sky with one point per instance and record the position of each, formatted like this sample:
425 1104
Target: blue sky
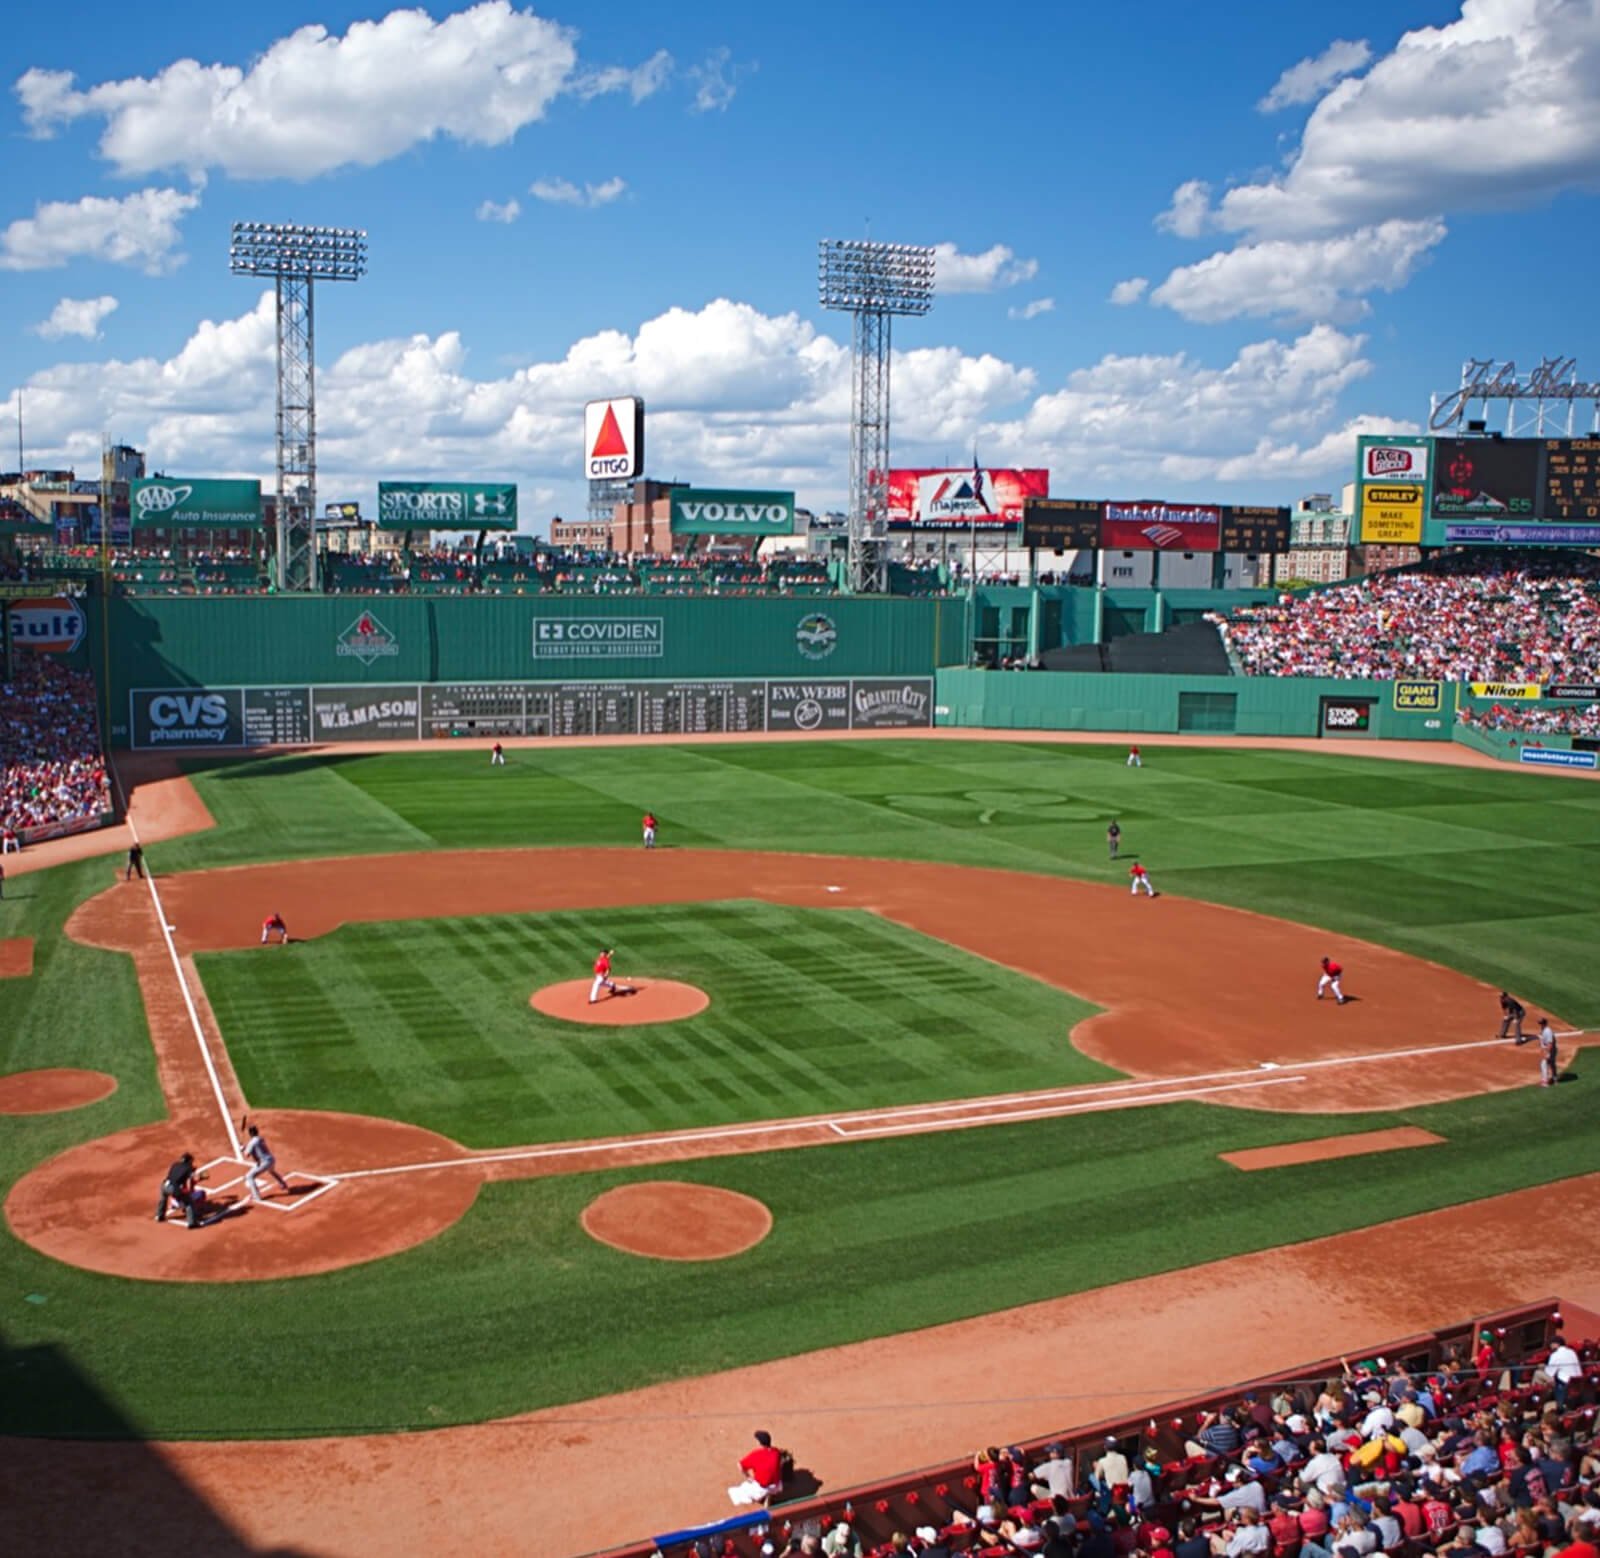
1191 251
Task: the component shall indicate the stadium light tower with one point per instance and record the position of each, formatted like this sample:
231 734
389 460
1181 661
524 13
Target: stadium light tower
297 257
872 282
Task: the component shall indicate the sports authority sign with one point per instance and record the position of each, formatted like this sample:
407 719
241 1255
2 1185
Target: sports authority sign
447 505
173 503
973 498
709 511
598 638
613 439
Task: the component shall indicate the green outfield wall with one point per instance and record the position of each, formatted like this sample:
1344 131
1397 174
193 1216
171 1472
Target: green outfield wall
250 670
1198 705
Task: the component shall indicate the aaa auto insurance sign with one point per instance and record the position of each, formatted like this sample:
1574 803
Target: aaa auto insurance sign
613 439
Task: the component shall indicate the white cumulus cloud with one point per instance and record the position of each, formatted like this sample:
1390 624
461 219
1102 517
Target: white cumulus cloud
1033 310
1307 278
1129 291
316 100
76 316
638 81
737 397
563 192
499 211
1496 110
140 229
1308 80
998 266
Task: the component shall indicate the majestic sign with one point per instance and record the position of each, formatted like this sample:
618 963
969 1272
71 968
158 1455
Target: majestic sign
973 498
598 638
168 503
446 505
1161 527
709 511
1484 379
366 640
613 439
54 625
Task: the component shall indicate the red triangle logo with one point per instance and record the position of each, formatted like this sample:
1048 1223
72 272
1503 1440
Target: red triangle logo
610 441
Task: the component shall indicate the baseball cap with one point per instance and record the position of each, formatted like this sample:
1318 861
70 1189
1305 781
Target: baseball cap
927 1534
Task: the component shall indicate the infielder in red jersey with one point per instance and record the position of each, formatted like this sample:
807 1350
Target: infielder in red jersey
273 926
1332 973
1141 880
602 976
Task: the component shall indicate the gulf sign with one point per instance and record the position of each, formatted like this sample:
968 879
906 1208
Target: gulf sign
1149 525
54 625
613 439
971 498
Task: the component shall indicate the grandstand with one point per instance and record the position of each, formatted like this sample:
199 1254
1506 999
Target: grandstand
52 769
1475 1440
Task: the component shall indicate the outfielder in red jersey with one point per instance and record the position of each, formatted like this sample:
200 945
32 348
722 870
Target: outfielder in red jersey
1141 880
1332 973
602 976
649 826
273 926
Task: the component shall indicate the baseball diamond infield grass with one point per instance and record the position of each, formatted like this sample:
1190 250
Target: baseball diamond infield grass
514 1307
428 1021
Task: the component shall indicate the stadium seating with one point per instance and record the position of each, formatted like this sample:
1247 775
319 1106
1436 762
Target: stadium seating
1407 1496
1464 617
52 771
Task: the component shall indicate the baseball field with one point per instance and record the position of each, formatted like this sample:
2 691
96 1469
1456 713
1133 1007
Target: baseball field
918 960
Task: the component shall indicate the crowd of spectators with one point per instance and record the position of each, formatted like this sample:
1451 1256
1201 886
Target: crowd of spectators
54 773
1535 719
1462 617
1465 1460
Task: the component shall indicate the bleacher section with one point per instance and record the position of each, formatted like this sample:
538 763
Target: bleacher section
1304 1449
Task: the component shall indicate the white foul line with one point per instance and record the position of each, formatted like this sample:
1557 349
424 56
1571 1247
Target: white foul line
183 983
1150 1090
1057 1111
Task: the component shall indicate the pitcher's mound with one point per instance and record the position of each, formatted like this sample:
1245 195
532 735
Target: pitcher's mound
667 1219
44 1092
652 1000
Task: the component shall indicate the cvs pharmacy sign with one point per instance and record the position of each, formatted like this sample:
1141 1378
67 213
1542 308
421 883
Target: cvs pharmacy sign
186 717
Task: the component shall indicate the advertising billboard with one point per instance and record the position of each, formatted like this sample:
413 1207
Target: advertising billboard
182 503
1486 478
1149 525
613 439
54 625
447 505
1391 516
718 511
964 499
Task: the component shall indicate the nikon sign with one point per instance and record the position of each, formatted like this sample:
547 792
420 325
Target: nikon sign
171 503
715 511
446 505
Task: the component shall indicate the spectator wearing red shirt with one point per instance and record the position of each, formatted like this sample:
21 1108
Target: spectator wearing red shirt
1582 1546
763 1473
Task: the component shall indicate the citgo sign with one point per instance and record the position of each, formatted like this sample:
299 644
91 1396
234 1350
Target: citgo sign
54 625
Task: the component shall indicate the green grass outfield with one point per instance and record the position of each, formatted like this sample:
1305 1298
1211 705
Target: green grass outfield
1491 872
